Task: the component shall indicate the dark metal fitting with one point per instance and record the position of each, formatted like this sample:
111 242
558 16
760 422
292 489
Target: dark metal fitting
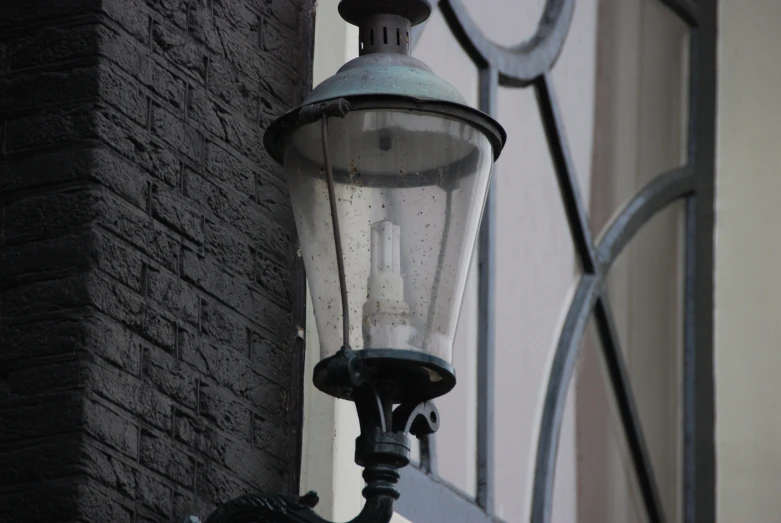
313 112
378 446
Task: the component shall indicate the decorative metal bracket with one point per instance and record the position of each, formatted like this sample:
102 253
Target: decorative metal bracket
382 449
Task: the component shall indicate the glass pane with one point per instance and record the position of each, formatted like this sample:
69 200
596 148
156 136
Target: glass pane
607 485
646 292
535 273
642 96
506 22
574 78
456 440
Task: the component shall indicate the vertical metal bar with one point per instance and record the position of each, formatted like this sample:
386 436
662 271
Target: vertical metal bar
489 86
689 297
689 361
700 469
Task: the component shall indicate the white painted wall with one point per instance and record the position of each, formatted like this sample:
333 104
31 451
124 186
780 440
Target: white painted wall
748 250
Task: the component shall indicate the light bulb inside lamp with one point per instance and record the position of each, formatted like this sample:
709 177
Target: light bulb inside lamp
385 314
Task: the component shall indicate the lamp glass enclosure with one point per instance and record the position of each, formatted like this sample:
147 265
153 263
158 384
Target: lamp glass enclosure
410 188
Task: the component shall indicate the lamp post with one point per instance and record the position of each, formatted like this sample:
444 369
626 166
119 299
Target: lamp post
388 170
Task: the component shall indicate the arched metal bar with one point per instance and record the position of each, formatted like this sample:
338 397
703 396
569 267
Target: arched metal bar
561 372
655 196
519 65
651 199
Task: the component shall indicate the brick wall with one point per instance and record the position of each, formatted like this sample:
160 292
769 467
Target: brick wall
148 361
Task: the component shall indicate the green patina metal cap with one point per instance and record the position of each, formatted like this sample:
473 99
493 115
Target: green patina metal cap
385 76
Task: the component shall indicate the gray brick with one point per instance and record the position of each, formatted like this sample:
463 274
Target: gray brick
230 369
15 13
238 16
224 327
244 463
166 85
111 471
238 211
229 250
218 405
59 337
44 460
176 297
121 176
51 378
171 208
215 486
43 216
278 41
270 437
158 453
134 143
286 12
45 168
45 297
110 428
171 377
114 343
201 25
230 169
207 114
53 44
190 268
52 127
61 501
234 89
180 51
172 129
174 11
271 358
273 277
21 421
124 94
21 92
132 311
45 259
131 16
139 230
96 506
119 260
155 495
242 297
131 394
272 195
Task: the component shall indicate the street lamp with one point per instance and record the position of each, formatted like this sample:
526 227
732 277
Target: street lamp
388 170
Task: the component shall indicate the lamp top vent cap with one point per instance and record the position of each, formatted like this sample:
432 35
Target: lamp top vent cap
356 11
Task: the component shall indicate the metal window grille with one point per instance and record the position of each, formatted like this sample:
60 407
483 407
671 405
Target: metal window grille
427 500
